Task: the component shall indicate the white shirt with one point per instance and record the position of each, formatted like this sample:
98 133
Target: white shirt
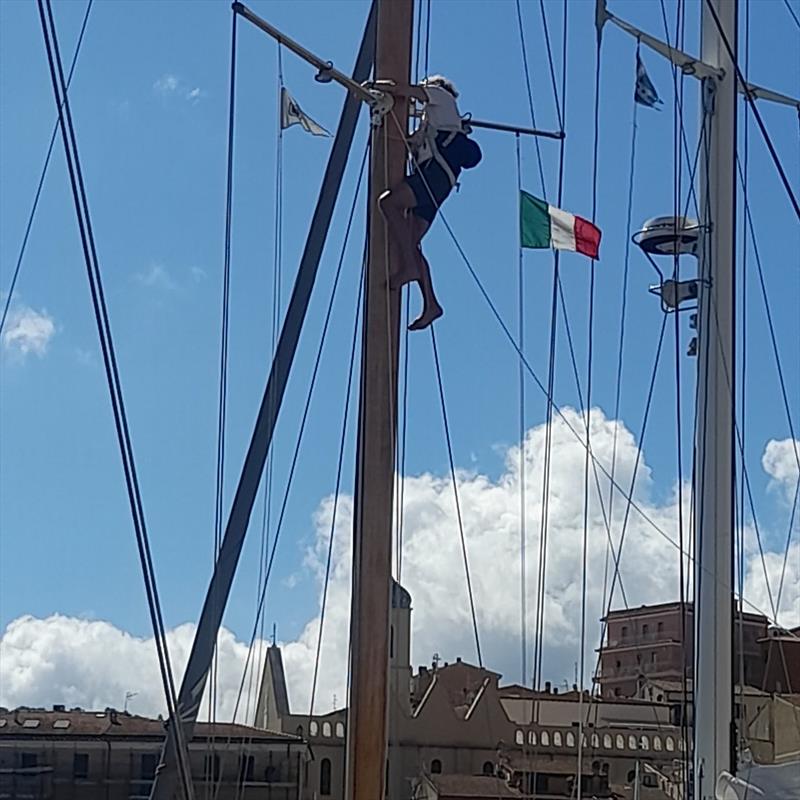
441 111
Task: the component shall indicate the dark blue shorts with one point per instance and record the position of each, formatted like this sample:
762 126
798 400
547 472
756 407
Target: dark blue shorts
431 185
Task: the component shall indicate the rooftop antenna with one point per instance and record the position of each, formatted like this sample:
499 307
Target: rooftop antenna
274 633
128 696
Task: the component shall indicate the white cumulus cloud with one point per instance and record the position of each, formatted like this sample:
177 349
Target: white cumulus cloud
780 462
93 663
166 84
169 85
28 331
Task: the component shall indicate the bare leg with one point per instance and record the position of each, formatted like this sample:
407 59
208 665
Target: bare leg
395 205
431 310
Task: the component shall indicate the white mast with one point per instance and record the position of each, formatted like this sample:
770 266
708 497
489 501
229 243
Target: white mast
714 501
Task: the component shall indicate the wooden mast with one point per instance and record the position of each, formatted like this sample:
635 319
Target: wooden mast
372 516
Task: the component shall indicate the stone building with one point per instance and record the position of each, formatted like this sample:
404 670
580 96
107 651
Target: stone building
654 643
109 755
457 720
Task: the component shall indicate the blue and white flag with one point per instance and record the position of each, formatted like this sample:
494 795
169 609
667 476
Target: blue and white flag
646 93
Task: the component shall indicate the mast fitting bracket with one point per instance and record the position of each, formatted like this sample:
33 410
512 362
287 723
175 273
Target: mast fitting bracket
380 105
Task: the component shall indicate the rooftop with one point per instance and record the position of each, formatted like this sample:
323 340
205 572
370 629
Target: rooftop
61 722
674 606
472 786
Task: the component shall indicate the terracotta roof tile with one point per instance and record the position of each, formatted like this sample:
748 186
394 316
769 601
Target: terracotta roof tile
115 723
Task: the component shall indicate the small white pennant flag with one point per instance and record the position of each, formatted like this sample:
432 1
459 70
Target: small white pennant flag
292 114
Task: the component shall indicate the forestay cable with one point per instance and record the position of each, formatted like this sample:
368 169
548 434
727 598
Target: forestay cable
37 194
112 372
222 389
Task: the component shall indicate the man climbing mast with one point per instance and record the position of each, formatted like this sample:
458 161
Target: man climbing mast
440 149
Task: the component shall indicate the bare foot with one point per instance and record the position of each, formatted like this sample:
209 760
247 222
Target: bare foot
428 316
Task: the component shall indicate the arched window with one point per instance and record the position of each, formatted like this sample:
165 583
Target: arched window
532 737
681 744
326 729
544 738
325 777
657 743
570 739
436 767
519 737
631 742
670 744
608 742
620 742
340 730
313 728
595 741
644 742
488 768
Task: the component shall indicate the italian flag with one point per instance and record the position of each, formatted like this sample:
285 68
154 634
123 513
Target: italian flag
542 225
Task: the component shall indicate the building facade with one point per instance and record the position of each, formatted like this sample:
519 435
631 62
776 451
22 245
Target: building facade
110 755
655 643
458 720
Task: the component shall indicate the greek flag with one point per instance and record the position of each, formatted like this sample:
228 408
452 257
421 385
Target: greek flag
646 93
292 114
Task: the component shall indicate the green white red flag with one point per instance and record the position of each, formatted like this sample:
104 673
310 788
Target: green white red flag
543 226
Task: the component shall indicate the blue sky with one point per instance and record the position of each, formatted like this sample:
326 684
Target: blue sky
149 101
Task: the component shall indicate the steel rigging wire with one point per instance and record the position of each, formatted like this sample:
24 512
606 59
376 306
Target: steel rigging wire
112 377
37 194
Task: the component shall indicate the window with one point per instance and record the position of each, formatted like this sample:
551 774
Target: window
618 664
519 737
620 742
246 768
325 777
80 766
557 739
657 743
607 741
544 738
211 768
653 657
648 779
670 744
313 728
532 737
660 627
340 730
631 776
644 742
326 729
616 691
436 767
645 629
29 760
570 739
624 633
595 741
147 766
631 742
681 744
488 768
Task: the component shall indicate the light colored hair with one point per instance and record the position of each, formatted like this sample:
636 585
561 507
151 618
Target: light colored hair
440 80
